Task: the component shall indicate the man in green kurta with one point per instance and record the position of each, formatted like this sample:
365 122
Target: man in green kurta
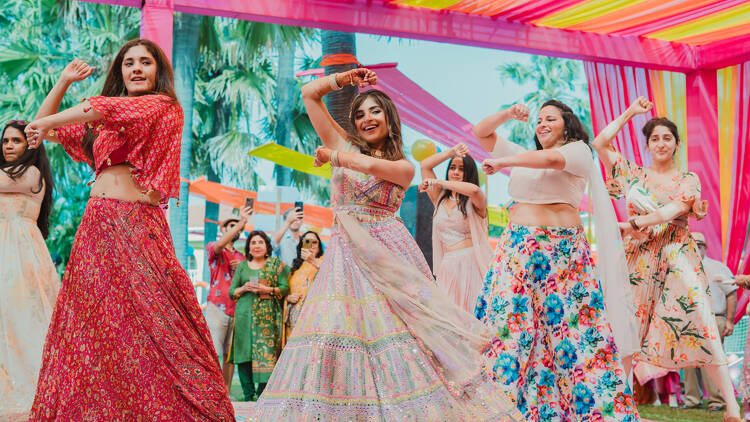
256 343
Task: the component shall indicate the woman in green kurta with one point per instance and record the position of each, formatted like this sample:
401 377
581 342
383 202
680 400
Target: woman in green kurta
259 286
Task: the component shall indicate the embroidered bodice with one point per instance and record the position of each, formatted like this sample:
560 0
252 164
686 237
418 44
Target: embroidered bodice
452 227
351 188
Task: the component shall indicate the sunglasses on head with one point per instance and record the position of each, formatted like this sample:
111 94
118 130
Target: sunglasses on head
17 122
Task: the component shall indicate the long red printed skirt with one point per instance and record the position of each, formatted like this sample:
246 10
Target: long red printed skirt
127 340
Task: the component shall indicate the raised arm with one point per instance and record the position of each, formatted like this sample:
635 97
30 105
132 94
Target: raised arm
400 172
331 133
428 165
603 141
227 238
484 131
75 71
574 158
471 190
39 129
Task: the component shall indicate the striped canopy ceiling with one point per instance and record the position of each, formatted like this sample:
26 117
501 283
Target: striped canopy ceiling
691 22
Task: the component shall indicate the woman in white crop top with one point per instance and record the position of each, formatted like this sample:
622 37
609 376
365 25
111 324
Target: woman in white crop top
554 350
461 251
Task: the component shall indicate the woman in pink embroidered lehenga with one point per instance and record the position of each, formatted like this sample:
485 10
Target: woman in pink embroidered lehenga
127 341
461 250
377 340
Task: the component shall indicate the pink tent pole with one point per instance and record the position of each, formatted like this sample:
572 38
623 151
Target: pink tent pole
703 152
157 23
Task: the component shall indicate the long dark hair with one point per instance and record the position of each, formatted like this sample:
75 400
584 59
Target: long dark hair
114 84
649 127
574 130
298 260
32 157
471 175
263 236
394 145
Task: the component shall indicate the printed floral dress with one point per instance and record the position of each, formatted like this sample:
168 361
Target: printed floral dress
677 325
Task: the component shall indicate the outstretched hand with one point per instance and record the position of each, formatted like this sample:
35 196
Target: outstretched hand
76 70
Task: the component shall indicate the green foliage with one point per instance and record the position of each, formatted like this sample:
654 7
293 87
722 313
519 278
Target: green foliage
552 78
37 39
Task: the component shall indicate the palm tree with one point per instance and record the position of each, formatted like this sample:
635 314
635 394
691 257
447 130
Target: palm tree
184 60
554 78
338 101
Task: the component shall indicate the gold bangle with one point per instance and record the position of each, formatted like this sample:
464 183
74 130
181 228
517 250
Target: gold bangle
333 83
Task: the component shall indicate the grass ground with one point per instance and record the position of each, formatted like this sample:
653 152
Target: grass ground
668 414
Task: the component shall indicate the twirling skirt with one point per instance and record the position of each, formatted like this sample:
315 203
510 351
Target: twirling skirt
553 348
460 277
351 358
127 340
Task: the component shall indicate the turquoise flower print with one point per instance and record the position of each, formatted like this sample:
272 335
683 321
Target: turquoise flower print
506 367
520 304
564 246
546 413
524 341
538 266
521 404
565 354
517 236
583 398
597 300
609 381
592 337
578 292
629 418
480 310
553 307
546 378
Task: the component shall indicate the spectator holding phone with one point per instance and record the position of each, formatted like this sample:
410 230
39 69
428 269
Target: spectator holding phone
222 261
303 272
259 286
286 239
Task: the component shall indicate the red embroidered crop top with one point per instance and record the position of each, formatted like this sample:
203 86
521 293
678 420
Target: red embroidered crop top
144 131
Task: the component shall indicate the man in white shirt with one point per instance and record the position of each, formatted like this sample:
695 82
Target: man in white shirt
724 301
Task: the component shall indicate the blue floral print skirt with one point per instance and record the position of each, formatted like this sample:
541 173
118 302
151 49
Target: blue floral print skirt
553 348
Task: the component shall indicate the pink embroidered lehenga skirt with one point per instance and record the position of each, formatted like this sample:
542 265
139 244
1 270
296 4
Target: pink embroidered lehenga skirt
127 340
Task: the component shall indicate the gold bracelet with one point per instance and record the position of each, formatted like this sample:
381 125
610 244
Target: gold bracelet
333 83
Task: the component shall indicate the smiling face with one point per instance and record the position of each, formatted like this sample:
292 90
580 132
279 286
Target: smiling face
139 70
370 123
456 170
258 247
550 127
662 144
14 144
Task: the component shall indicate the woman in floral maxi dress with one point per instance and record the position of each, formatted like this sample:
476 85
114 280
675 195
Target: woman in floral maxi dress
677 326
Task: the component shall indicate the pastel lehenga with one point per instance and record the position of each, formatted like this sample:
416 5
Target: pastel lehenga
377 340
28 289
677 328
460 273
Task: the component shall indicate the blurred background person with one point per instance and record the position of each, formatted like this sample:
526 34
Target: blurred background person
223 259
28 279
285 240
259 286
301 275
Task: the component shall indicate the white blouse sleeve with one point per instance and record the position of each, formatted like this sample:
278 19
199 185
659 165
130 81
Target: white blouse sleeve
505 148
578 158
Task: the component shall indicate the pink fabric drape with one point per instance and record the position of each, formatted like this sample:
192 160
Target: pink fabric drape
157 23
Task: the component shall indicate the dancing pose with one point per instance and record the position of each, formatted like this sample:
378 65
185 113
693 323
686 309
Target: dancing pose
553 347
259 286
461 251
376 339
28 278
127 340
677 328
304 269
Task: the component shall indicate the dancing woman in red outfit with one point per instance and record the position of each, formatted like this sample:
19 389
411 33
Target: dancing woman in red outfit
127 339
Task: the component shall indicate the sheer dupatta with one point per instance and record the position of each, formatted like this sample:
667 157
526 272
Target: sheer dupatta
481 249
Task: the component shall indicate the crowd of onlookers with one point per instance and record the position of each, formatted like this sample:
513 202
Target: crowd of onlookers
256 297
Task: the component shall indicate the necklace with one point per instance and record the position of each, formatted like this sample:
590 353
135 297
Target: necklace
377 153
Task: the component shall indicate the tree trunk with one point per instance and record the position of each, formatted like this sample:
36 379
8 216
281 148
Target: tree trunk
284 104
338 102
211 216
185 53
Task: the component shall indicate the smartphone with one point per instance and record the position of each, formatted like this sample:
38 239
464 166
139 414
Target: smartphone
253 279
249 202
300 205
306 243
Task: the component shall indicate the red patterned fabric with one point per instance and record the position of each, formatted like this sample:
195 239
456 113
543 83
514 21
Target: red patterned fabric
128 341
220 266
149 126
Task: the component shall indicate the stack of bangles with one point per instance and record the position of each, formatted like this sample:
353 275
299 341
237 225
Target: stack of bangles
334 84
633 224
334 159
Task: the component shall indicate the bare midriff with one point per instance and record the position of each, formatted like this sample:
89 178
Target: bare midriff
551 215
116 182
466 243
